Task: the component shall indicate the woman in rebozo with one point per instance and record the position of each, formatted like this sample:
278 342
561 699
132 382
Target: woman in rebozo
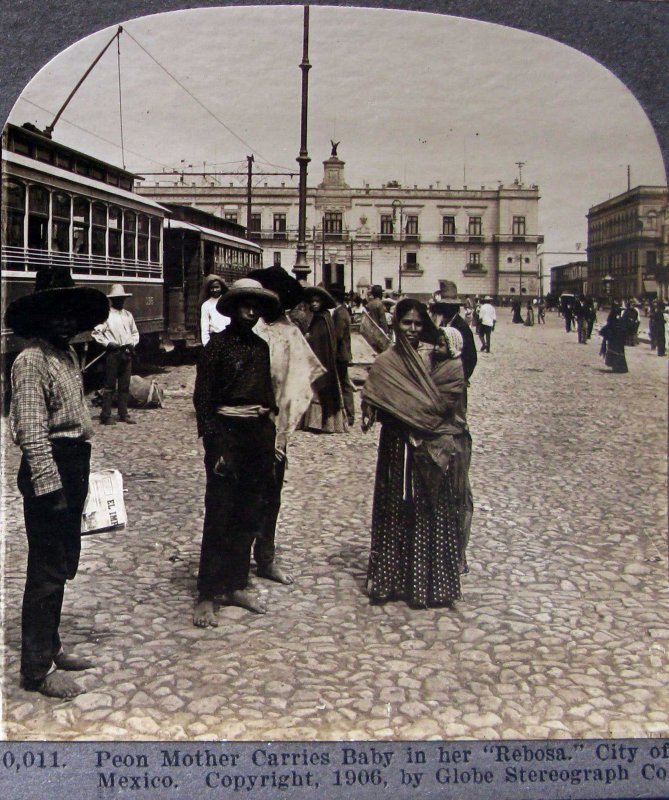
415 520
614 334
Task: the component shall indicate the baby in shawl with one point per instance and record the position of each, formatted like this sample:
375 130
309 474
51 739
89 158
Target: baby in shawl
449 378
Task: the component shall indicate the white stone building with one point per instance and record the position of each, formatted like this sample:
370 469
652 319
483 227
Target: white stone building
408 240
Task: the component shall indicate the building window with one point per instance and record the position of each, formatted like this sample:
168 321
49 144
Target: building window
327 274
411 227
388 283
256 223
230 216
509 260
412 261
651 260
277 258
332 224
386 226
279 228
448 226
519 226
474 261
474 227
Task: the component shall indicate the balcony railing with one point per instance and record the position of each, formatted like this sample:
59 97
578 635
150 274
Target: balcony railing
511 238
32 259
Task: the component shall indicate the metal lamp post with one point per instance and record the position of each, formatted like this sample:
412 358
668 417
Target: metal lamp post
607 280
398 204
520 276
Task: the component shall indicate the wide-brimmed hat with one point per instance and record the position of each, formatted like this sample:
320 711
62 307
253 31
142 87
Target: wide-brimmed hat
319 291
117 290
282 283
206 283
248 288
55 290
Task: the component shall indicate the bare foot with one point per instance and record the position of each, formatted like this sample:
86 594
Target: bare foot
72 663
58 685
204 614
274 573
241 597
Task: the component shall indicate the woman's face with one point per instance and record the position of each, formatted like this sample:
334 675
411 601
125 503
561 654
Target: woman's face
411 325
215 289
315 303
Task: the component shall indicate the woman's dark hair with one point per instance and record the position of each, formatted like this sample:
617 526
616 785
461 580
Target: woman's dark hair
430 332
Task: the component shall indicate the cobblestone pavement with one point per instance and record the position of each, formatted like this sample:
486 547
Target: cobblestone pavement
562 631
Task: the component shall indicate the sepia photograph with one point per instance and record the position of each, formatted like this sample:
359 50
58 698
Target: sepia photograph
375 301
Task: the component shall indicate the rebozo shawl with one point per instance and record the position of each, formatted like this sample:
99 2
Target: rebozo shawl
321 338
399 383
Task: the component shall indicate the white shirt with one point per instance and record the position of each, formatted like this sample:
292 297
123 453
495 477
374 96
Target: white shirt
119 328
487 315
210 320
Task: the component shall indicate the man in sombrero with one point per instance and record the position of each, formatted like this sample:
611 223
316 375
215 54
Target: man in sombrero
234 405
49 421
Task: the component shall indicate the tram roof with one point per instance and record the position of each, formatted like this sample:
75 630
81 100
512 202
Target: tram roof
208 233
79 180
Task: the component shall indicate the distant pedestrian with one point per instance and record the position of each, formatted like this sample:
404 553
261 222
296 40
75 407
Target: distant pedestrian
341 317
49 421
211 321
234 404
119 336
660 329
541 312
376 309
488 319
591 307
529 314
326 410
516 316
294 369
614 334
630 317
580 312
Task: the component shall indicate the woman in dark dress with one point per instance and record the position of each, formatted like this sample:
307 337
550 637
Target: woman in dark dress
614 334
326 411
415 520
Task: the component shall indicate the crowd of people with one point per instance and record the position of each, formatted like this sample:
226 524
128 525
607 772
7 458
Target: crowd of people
275 359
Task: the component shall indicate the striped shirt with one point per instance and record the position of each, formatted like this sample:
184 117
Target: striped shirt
47 403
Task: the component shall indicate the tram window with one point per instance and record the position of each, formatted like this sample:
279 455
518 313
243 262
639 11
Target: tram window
61 207
64 161
143 237
43 154
14 204
81 167
21 146
99 231
38 200
125 183
114 232
112 179
100 214
80 227
155 239
97 173
129 228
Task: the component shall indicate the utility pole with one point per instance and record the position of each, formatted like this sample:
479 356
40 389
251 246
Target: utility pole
301 268
520 165
249 163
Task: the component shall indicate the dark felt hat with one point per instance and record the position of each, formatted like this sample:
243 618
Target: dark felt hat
277 280
55 291
248 288
319 291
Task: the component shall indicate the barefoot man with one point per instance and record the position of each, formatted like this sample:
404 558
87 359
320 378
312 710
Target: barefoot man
234 404
49 421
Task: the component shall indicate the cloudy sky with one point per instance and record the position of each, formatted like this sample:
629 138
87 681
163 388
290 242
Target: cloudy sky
413 97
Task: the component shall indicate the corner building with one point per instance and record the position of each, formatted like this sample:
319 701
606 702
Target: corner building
408 240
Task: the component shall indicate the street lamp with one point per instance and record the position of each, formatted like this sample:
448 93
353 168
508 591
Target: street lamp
395 205
520 276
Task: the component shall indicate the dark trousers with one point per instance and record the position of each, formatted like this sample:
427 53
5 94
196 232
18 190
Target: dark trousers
54 543
239 463
118 366
582 327
484 335
661 340
346 390
264 548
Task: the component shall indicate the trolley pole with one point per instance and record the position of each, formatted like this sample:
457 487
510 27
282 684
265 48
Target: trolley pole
249 173
301 268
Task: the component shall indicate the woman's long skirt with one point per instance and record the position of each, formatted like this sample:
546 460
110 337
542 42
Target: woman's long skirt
415 530
615 358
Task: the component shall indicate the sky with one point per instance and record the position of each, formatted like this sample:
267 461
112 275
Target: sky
414 97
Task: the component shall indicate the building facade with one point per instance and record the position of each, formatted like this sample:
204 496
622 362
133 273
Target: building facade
628 248
408 240
570 278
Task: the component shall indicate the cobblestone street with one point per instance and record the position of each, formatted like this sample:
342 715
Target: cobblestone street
564 626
